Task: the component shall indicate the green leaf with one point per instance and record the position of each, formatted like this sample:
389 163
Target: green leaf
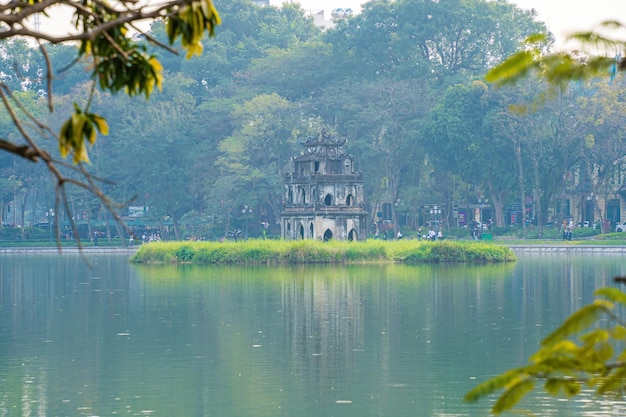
595 336
513 395
612 294
494 384
615 383
536 38
512 69
578 321
571 388
555 386
618 333
101 124
190 22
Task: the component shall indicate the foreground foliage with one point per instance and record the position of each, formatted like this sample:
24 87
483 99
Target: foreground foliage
307 251
566 364
562 67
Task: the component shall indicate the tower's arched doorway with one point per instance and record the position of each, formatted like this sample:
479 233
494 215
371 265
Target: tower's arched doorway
301 231
352 235
328 235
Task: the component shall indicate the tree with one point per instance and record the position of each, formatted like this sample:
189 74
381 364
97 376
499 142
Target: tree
466 140
369 80
295 73
103 33
587 349
247 33
257 153
22 66
435 39
381 120
604 141
156 164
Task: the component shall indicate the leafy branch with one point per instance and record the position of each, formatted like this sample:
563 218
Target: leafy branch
565 364
559 68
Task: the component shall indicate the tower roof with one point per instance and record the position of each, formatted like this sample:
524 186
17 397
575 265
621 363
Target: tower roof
323 145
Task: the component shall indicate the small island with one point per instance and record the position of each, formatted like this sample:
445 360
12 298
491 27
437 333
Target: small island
310 251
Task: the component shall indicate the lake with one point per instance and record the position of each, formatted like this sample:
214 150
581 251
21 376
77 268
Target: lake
305 341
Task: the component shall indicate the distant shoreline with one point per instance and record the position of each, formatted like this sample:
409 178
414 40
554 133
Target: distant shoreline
516 248
556 248
70 249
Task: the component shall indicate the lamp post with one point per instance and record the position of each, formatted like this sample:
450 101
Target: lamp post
49 215
589 210
397 219
14 205
434 212
246 211
483 203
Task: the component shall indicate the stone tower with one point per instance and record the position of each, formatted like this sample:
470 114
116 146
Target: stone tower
324 196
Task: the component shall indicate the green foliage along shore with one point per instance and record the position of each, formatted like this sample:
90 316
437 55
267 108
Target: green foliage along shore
308 251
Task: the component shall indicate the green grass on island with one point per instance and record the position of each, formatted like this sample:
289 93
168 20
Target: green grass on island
309 251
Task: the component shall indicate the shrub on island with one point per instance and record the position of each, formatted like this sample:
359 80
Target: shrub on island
309 251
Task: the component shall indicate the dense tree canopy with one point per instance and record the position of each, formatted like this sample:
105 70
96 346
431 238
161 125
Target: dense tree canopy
467 138
402 81
116 62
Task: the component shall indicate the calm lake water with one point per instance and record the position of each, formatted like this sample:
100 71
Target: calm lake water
305 341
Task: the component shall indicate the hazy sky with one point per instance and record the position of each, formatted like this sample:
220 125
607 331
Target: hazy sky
561 16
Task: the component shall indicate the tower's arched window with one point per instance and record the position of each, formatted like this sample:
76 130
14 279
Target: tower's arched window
328 235
311 230
302 196
349 200
328 200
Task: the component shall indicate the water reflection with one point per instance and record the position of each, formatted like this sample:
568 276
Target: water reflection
373 340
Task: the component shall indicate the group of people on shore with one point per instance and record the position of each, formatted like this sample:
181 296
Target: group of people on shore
430 235
476 234
568 226
152 237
